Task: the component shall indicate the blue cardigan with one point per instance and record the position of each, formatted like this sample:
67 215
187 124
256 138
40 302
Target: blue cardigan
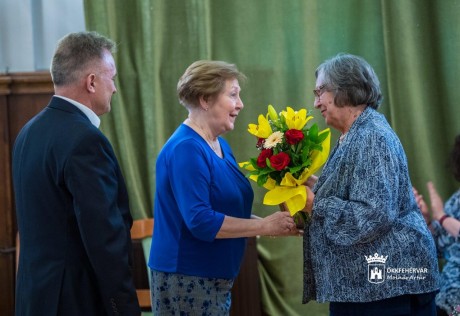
195 189
364 205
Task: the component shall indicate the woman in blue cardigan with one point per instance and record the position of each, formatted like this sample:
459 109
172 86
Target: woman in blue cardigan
367 249
202 201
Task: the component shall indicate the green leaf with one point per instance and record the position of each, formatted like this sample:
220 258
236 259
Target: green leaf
307 163
317 147
262 179
322 137
313 133
269 163
295 169
306 151
253 162
266 171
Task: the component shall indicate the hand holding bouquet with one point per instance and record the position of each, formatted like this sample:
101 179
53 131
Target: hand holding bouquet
289 153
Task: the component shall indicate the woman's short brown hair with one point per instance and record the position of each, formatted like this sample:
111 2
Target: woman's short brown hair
205 78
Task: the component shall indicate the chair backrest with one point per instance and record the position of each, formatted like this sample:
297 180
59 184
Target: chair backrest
142 230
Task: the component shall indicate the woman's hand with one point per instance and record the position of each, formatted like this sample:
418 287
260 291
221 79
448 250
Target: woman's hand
310 197
422 206
311 181
280 224
437 205
277 224
450 224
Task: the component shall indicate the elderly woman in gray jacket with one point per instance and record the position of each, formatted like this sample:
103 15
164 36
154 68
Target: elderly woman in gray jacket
367 250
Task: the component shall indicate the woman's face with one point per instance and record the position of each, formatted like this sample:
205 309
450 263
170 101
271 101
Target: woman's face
224 109
324 101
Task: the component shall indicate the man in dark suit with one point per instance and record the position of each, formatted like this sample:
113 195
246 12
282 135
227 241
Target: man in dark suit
71 200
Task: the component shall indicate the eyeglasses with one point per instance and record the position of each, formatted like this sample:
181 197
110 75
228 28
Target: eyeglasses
319 91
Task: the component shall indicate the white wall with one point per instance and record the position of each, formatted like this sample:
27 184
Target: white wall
30 29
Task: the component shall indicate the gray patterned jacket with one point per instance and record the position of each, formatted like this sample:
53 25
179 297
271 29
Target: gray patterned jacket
367 239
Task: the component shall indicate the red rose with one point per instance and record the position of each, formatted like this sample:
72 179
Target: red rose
293 136
280 161
261 160
260 143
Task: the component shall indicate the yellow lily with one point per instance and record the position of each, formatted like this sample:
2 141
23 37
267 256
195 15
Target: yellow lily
263 130
296 119
272 113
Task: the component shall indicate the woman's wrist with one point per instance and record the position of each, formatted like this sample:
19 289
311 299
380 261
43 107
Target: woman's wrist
438 215
442 219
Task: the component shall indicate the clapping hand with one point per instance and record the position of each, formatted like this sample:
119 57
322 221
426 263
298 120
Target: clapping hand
437 205
422 206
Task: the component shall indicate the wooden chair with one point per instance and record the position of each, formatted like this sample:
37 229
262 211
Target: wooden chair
142 230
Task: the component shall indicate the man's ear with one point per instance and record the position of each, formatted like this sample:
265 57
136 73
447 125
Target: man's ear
90 83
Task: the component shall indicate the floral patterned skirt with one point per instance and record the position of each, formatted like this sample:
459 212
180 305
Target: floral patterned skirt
178 294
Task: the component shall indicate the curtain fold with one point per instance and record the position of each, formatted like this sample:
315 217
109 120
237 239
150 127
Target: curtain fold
412 44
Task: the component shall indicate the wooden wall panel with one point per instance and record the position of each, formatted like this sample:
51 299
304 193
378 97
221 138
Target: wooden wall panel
25 107
29 94
6 223
22 95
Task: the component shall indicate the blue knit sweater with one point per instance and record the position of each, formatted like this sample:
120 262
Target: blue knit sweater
195 189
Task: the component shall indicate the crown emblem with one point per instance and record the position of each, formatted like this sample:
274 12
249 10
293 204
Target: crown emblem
376 258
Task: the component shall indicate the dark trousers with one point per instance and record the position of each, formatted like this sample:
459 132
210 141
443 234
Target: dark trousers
404 305
441 312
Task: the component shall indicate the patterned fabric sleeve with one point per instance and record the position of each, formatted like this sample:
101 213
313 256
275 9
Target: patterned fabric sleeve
449 294
443 239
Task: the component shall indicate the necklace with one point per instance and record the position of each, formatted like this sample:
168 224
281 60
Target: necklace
205 136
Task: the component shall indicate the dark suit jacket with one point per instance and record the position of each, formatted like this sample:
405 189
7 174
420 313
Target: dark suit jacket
73 217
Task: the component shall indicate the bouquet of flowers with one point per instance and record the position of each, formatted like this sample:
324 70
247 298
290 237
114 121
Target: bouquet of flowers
289 153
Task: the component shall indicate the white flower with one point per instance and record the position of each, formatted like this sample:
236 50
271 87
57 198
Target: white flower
273 140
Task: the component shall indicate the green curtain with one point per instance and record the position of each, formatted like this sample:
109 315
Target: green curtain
413 45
